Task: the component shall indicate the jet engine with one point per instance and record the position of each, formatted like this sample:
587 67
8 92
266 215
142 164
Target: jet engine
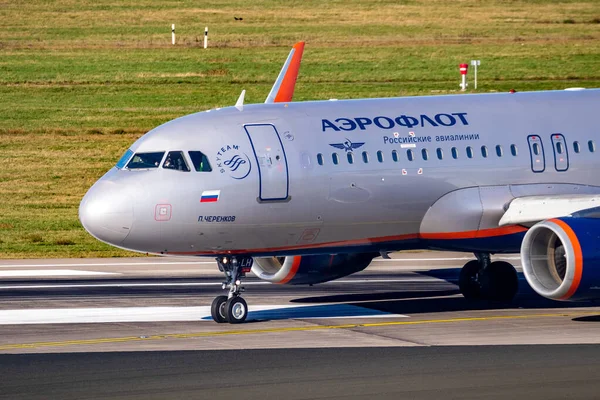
307 270
561 258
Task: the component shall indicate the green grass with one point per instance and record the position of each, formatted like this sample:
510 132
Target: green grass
81 80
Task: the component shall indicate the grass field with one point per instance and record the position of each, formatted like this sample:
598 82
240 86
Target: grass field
81 80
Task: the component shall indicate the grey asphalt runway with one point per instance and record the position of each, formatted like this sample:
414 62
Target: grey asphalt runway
466 372
140 328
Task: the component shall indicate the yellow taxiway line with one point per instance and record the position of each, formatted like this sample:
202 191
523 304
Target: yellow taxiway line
276 330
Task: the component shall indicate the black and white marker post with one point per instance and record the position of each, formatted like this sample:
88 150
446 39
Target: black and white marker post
206 37
173 34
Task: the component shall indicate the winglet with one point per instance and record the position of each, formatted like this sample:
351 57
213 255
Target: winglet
239 104
283 89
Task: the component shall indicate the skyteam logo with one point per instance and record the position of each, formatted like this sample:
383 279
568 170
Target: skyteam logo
237 163
347 145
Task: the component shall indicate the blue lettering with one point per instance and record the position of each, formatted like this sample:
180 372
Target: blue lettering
378 122
362 122
328 124
429 120
345 121
451 120
462 118
407 121
383 122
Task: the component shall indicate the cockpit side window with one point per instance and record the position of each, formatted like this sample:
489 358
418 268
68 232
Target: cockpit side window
176 161
123 160
200 161
145 160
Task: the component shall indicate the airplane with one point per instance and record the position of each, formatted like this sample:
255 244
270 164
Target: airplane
308 192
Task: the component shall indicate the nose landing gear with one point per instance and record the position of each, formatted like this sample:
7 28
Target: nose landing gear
482 279
231 308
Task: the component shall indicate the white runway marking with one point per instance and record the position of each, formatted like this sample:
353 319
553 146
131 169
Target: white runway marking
167 314
101 264
175 284
108 264
51 272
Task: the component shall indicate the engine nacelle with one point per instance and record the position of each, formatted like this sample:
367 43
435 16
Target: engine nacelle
302 270
561 258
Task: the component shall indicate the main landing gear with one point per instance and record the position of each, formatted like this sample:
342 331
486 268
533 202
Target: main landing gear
482 279
231 308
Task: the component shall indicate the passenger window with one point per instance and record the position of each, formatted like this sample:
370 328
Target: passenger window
499 150
536 149
145 160
365 157
350 158
123 160
200 161
379 156
454 153
592 146
410 155
335 159
513 150
424 154
176 161
320 159
469 152
559 147
395 155
484 151
576 147
440 153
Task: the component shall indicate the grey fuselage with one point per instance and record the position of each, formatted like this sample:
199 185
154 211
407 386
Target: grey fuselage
275 197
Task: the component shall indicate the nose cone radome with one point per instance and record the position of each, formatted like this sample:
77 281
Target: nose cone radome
106 212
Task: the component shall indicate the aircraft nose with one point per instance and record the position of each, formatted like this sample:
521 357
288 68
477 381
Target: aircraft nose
106 211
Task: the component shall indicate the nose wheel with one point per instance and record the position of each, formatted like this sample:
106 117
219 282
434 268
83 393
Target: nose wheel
231 308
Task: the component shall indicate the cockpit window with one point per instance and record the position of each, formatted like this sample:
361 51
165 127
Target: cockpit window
123 160
145 160
176 161
200 161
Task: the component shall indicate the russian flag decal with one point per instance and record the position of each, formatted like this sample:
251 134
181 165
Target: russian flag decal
210 196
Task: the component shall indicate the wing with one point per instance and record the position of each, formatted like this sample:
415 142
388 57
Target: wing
338 145
357 145
532 209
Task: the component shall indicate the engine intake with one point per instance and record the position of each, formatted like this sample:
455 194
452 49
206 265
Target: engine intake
307 270
554 253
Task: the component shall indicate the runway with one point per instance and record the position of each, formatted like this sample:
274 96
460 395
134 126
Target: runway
405 312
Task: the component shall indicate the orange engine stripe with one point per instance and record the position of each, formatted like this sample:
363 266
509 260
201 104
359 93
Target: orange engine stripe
483 233
286 90
578 257
293 270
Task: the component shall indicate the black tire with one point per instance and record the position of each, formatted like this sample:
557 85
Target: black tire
499 282
236 310
467 281
217 309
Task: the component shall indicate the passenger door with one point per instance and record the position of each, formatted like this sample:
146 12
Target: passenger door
561 153
271 160
536 152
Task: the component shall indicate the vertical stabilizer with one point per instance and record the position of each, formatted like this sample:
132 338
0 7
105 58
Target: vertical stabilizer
283 89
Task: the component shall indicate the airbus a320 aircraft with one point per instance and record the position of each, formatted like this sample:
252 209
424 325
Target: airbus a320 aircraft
308 192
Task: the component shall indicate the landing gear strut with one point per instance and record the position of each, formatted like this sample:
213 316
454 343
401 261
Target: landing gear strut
231 308
484 279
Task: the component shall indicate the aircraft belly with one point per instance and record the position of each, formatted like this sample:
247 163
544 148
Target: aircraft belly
374 204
